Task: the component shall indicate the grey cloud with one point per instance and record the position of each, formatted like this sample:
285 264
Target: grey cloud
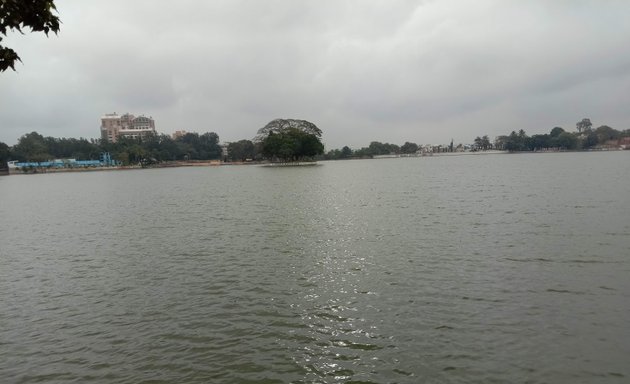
392 71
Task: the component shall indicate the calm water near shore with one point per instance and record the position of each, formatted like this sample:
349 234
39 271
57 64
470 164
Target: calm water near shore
459 269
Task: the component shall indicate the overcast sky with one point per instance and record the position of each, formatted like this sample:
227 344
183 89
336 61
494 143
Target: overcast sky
361 70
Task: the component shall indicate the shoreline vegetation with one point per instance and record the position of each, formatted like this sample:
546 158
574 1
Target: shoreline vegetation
268 164
280 143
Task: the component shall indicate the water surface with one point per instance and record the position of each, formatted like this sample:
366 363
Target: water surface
462 269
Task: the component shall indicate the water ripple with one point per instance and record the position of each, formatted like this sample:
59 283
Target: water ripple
448 270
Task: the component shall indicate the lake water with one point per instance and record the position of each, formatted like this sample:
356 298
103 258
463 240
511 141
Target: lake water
451 269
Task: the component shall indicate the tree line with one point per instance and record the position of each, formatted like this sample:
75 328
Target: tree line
281 139
584 138
376 148
33 147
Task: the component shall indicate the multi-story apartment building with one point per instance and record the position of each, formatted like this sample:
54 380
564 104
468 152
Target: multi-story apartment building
114 126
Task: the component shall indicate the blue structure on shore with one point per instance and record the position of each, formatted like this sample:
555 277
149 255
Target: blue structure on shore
104 161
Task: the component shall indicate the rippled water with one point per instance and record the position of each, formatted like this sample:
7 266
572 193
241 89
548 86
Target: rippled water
463 269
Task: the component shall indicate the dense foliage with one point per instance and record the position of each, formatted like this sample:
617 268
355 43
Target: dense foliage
20 14
156 148
584 138
4 153
559 139
242 150
483 143
282 125
290 140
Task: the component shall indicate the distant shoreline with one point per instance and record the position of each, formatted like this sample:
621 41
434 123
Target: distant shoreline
43 170
216 163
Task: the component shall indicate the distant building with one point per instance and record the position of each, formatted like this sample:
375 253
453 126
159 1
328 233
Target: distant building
224 151
179 134
114 126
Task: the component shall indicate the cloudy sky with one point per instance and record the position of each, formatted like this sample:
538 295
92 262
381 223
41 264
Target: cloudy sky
362 70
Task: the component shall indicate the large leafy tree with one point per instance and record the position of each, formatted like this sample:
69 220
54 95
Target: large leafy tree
567 140
409 147
516 141
242 150
32 147
377 148
483 143
584 125
283 125
538 142
290 139
161 148
605 133
22 14
200 147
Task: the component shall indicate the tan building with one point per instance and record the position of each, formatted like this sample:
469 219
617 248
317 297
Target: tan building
114 126
179 134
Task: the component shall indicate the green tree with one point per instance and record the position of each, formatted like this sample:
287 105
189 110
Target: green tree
283 125
500 141
241 150
516 141
333 154
392 148
209 147
200 147
409 148
362 153
19 15
346 152
482 143
309 145
188 145
128 151
605 133
567 140
377 148
511 142
556 131
272 145
5 154
31 147
161 148
584 125
485 142
477 143
63 148
538 142
290 140
553 137
590 140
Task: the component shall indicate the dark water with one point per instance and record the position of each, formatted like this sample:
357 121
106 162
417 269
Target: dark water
468 269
